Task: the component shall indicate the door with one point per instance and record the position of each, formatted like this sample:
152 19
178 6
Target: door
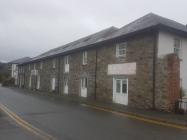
38 82
65 86
30 81
120 91
84 87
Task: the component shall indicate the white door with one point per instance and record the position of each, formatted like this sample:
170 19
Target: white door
30 81
120 91
84 87
65 86
38 82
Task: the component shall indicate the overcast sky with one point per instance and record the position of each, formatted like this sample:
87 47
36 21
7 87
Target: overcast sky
30 27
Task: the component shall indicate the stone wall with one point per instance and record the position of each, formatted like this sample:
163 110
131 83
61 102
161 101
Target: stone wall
140 91
139 50
167 82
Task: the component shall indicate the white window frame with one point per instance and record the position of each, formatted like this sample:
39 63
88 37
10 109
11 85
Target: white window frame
41 65
84 57
118 49
54 63
66 64
66 59
29 67
177 46
121 85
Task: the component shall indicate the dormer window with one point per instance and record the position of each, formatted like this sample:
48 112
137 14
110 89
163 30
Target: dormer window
177 46
121 49
84 58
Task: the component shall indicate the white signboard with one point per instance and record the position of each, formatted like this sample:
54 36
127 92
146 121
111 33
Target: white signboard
122 69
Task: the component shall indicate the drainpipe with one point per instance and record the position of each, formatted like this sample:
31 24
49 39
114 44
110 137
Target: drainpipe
154 67
59 75
95 95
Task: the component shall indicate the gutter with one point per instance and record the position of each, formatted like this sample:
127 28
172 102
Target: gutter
155 48
59 75
96 55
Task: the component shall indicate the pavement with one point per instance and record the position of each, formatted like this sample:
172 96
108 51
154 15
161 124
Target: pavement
61 119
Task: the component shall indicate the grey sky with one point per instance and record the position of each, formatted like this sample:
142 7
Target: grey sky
30 27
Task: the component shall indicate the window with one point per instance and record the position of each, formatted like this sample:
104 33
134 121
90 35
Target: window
121 50
121 86
84 58
41 65
34 66
177 46
66 67
54 63
84 83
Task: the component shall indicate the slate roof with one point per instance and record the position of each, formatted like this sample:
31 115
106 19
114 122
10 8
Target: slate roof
145 22
148 21
89 40
20 61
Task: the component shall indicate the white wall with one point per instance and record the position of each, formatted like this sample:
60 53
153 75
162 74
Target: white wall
166 46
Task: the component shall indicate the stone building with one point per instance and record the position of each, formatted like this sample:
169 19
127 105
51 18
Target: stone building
13 66
141 65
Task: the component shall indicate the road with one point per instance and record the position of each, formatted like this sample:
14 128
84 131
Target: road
72 121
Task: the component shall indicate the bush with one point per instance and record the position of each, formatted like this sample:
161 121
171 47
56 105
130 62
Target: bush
8 82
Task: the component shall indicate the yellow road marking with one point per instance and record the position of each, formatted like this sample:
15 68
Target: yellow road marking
137 118
26 125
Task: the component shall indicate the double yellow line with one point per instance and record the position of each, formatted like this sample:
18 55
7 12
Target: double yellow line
137 117
26 125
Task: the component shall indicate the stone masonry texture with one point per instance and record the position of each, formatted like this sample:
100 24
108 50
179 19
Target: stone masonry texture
140 49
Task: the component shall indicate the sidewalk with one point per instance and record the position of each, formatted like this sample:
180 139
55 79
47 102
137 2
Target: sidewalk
165 117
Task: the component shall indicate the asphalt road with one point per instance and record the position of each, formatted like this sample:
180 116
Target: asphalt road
72 121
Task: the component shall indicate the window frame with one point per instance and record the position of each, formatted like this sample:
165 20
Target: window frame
85 58
118 49
41 65
121 85
177 45
66 60
54 63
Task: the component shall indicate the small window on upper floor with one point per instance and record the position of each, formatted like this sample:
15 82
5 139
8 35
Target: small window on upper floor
66 60
84 58
34 66
54 63
29 67
177 46
41 65
121 49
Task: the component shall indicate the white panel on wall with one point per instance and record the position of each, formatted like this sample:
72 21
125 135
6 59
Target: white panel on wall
122 69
